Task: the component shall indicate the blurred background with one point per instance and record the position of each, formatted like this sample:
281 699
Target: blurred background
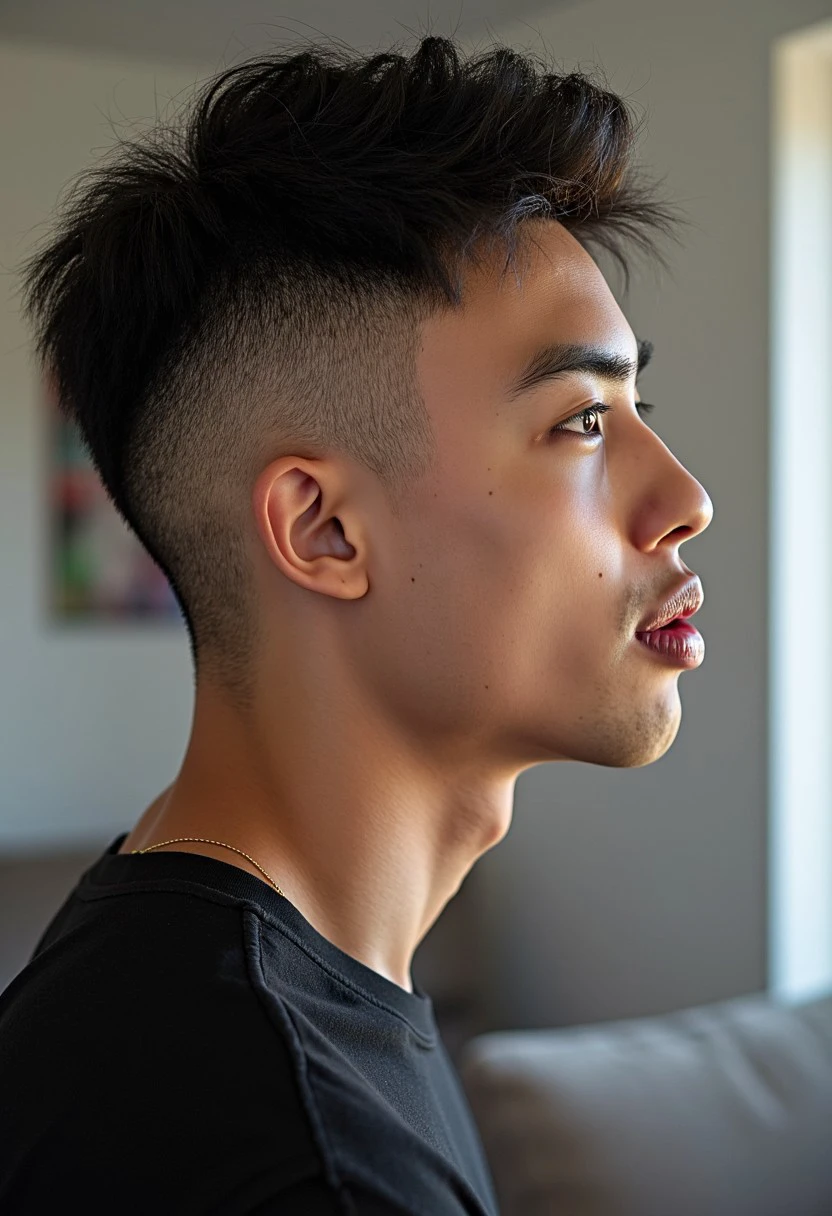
616 894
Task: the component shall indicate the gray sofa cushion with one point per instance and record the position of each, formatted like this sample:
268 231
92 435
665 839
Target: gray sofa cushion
721 1110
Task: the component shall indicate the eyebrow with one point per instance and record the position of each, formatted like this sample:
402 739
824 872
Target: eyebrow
559 359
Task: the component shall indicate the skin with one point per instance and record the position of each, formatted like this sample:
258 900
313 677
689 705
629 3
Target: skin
415 666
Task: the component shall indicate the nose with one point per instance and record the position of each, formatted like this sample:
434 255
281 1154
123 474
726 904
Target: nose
674 503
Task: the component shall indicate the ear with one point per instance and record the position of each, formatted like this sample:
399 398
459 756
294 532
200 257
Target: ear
311 532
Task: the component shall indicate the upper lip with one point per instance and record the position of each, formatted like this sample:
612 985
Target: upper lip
683 602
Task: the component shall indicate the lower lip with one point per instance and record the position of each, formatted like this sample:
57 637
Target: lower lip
678 644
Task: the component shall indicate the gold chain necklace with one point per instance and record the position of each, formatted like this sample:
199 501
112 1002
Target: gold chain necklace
204 840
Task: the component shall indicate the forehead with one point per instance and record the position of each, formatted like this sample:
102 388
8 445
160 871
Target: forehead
558 294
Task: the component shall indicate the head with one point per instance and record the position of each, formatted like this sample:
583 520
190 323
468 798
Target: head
290 329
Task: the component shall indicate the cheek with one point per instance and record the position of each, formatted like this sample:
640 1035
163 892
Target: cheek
524 552
567 574
478 576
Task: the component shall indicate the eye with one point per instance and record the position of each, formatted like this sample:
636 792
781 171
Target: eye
586 419
592 412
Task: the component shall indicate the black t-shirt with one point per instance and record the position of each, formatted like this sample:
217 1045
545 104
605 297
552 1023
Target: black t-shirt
183 1041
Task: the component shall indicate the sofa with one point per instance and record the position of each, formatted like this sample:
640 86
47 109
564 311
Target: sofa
721 1110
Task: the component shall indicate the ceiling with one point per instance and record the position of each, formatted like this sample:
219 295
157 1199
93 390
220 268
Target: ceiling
223 32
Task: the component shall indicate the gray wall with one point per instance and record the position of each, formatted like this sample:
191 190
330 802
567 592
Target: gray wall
615 892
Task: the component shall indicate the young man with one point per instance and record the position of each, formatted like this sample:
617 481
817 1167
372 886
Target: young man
348 369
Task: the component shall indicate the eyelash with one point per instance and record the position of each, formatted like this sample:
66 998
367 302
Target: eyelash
644 407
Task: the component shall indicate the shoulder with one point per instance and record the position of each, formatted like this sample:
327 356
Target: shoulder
135 1050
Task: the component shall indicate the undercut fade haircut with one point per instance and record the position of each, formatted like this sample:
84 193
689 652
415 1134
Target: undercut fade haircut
251 282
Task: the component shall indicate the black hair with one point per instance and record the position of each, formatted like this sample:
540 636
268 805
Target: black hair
250 282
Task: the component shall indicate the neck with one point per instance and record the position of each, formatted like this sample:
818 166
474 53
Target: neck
363 835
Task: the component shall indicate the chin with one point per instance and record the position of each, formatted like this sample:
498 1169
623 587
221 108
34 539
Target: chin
635 746
658 747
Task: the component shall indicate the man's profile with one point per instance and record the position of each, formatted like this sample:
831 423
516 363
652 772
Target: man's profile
346 365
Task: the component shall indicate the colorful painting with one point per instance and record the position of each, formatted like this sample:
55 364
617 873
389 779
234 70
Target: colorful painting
99 569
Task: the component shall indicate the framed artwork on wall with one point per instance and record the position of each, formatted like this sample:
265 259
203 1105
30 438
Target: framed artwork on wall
98 569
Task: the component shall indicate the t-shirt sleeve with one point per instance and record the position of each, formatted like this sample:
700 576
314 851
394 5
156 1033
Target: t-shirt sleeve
139 1073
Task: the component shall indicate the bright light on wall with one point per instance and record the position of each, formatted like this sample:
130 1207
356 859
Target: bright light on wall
800 705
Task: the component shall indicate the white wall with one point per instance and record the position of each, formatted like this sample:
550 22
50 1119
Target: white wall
615 892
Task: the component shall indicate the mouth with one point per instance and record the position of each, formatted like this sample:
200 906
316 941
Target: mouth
665 632
677 642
